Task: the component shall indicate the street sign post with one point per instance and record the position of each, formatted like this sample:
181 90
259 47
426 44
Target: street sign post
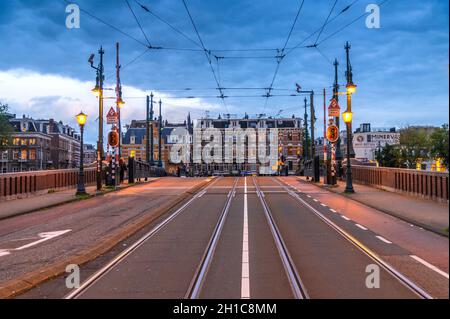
113 138
334 110
111 117
332 133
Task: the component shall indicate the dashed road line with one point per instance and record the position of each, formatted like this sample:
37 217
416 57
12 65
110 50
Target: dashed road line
383 239
332 210
323 205
345 217
361 227
432 267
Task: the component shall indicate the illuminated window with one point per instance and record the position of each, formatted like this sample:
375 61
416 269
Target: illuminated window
32 141
23 154
32 154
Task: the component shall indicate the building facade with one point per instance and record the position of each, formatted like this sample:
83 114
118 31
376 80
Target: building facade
89 154
288 149
366 141
40 145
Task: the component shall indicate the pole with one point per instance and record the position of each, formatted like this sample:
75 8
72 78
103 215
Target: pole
306 146
313 146
160 136
325 155
119 96
81 190
152 146
337 119
147 131
100 122
349 74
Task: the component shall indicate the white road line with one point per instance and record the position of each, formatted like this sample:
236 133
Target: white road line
323 205
360 226
331 209
308 196
4 252
315 200
245 280
427 264
345 217
383 239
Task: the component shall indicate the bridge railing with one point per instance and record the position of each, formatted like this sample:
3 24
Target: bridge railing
138 170
25 183
424 184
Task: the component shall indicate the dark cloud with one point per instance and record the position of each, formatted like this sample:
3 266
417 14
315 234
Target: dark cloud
395 66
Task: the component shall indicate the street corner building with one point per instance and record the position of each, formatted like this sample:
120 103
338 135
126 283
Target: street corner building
40 144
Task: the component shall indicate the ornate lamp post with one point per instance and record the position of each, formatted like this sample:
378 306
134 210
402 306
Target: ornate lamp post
81 190
98 92
348 116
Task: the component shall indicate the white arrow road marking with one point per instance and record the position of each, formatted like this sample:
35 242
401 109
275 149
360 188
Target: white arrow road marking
43 238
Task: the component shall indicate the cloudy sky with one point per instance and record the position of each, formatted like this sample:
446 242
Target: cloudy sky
401 69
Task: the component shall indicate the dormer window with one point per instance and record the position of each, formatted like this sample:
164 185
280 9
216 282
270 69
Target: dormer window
133 139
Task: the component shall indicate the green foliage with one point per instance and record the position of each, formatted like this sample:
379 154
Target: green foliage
414 145
417 144
389 156
5 127
439 144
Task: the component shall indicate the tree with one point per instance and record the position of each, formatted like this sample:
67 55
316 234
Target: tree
439 144
5 127
389 156
414 145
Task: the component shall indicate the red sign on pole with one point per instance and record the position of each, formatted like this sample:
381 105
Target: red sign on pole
111 117
334 110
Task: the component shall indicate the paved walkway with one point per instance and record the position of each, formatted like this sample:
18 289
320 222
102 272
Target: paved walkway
22 206
428 214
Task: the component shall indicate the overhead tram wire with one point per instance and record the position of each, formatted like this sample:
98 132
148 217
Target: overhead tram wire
325 23
301 45
350 23
207 53
146 9
138 23
282 55
109 25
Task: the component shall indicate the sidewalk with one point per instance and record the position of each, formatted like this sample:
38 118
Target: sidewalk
23 206
428 214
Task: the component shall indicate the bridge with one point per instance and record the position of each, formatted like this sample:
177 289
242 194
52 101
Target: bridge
235 237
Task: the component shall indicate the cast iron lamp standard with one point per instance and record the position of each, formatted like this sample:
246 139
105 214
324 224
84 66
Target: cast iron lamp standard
98 92
81 190
348 116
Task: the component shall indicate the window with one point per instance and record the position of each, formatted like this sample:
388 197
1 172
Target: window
15 154
133 139
32 141
4 155
23 154
32 154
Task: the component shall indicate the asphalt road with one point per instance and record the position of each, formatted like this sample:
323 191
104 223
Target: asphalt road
84 224
248 238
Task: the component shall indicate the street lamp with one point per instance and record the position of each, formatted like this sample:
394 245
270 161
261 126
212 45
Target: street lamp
98 92
348 117
81 190
351 88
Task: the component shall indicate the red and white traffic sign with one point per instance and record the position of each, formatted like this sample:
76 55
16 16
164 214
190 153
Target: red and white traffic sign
111 117
334 109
